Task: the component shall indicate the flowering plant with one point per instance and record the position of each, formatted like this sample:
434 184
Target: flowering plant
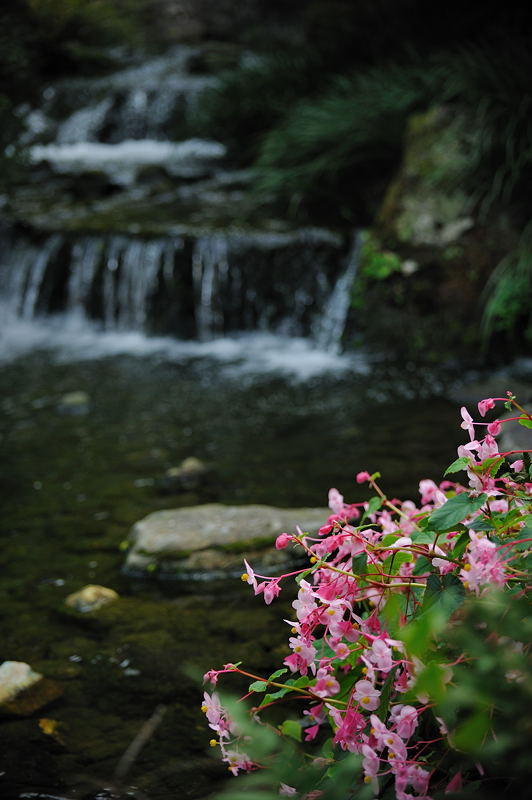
408 645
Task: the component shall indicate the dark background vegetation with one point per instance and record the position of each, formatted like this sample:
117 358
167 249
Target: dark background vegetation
320 113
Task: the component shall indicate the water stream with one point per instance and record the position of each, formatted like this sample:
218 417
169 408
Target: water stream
135 274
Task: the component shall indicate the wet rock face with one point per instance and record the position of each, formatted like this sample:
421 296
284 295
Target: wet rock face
424 206
211 540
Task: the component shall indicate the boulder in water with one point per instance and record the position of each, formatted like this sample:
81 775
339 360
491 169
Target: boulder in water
23 691
211 540
91 598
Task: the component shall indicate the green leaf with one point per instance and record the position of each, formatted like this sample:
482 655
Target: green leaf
431 681
291 728
458 465
471 734
461 544
277 673
482 524
455 510
384 705
374 504
270 697
424 537
423 565
525 422
417 635
444 593
258 686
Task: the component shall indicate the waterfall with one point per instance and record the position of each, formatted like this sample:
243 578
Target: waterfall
205 286
134 224
331 323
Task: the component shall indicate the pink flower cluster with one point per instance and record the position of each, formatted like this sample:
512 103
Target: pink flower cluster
365 553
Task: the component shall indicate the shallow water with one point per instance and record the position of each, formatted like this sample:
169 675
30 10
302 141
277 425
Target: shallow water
73 484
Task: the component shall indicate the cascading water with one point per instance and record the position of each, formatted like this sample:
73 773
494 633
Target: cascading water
159 246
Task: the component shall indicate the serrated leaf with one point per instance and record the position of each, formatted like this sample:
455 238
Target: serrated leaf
258 686
525 422
455 510
444 593
458 465
292 729
423 565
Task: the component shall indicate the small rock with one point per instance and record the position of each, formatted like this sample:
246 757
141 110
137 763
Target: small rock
23 691
15 676
188 475
91 598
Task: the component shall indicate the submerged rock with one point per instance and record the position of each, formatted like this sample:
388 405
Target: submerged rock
190 474
210 541
91 598
74 404
23 691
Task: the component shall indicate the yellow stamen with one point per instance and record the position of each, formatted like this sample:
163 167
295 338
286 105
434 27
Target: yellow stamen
313 559
244 577
467 568
213 743
367 778
365 700
204 708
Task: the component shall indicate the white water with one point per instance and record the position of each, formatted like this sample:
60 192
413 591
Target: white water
122 161
67 338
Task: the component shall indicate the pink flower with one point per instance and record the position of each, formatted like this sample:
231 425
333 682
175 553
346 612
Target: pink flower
237 761
362 477
336 501
380 655
484 566
485 405
518 464
494 428
370 762
366 695
271 591
326 684
212 676
249 576
455 784
405 720
467 422
348 728
282 541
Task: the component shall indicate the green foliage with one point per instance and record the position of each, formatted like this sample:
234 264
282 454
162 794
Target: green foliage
375 262
253 97
351 131
509 292
494 83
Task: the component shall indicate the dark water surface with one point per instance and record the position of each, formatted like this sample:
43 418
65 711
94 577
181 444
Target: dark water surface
73 484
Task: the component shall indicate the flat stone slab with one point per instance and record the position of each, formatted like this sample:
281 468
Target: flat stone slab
211 540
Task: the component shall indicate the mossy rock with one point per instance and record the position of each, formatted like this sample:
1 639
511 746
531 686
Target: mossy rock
211 540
